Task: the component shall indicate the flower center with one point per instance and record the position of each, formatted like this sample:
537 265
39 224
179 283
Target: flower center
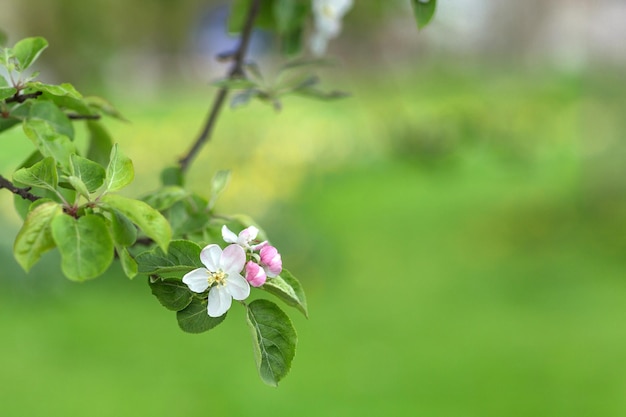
218 277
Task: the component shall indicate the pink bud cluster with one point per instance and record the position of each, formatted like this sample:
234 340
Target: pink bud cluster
267 263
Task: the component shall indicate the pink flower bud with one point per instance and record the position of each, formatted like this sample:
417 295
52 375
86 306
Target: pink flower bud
255 275
271 261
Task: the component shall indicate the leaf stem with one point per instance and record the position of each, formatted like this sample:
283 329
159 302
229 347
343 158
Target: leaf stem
236 71
22 192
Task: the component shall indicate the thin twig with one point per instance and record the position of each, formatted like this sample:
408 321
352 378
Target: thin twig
22 192
20 98
236 71
74 116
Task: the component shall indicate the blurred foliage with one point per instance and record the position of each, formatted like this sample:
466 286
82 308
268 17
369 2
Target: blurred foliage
482 278
86 35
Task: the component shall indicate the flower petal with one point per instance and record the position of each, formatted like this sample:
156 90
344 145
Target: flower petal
238 287
259 246
210 257
233 259
255 275
197 280
228 235
219 301
248 234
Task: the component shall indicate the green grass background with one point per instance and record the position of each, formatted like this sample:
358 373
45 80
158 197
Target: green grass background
460 237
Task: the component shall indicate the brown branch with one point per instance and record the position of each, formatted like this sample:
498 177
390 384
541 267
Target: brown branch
20 98
74 116
236 71
22 192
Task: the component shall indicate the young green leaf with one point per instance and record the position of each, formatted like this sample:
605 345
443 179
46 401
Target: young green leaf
424 11
6 92
149 220
35 238
85 245
100 143
181 257
238 13
101 105
123 230
91 173
78 185
287 288
63 95
218 185
274 340
128 263
48 111
119 172
42 174
172 294
172 176
60 90
290 15
28 50
49 142
166 197
195 319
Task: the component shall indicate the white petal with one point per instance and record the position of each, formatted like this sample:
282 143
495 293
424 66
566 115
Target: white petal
317 43
210 257
249 233
238 287
197 280
228 236
233 259
259 246
219 301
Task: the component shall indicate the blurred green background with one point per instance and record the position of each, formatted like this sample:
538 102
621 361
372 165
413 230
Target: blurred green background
458 223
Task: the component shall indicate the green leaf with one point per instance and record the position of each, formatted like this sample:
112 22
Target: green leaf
183 256
274 340
218 185
50 142
149 220
28 50
48 111
78 185
100 143
172 176
85 245
123 230
242 98
172 294
166 197
239 11
63 95
6 92
287 288
189 215
90 173
424 11
292 42
61 90
35 238
128 263
120 170
42 174
101 105
290 15
195 319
